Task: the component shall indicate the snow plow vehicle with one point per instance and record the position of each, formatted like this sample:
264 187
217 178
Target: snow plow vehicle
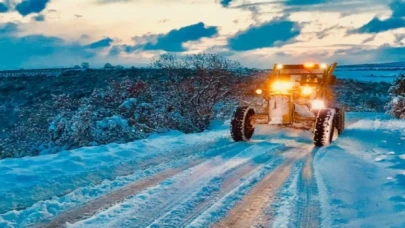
297 96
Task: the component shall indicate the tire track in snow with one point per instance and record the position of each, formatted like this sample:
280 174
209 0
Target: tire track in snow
66 184
308 208
111 199
251 210
143 209
236 164
185 213
188 211
108 200
283 208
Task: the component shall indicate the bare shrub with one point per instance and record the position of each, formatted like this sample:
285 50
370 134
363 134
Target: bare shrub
195 84
396 107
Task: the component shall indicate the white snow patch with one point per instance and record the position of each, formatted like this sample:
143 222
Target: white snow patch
288 197
28 180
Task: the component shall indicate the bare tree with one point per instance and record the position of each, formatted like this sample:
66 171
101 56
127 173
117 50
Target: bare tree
197 83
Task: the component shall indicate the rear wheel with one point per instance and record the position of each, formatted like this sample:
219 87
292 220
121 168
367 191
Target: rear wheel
324 127
340 120
242 128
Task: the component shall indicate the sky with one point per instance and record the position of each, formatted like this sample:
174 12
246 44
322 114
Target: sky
257 33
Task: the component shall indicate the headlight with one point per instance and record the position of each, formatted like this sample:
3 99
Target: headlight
318 104
259 91
281 86
306 90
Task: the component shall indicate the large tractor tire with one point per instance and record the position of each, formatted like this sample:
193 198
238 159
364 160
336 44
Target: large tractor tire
242 128
340 120
324 127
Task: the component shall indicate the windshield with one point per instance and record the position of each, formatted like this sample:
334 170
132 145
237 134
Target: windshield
300 76
318 72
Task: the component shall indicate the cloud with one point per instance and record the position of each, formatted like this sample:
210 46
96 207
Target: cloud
225 3
31 6
399 38
345 8
384 53
146 38
344 54
273 33
36 51
377 25
112 1
115 50
398 8
173 41
3 8
8 28
326 32
254 9
39 51
38 18
247 6
304 2
370 39
101 43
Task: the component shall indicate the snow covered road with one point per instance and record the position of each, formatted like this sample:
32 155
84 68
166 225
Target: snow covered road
205 180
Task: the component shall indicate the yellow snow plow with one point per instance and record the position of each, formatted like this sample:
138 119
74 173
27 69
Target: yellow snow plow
295 96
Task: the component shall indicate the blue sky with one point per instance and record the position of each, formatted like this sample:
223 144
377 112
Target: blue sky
258 33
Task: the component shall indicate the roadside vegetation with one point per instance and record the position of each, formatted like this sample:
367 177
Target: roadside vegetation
396 106
91 107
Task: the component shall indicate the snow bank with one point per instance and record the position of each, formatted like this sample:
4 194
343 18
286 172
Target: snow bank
28 180
360 174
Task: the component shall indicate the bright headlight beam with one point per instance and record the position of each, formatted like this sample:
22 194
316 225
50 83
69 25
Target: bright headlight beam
282 86
318 104
307 90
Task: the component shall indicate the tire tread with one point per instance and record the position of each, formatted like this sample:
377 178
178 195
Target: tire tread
238 123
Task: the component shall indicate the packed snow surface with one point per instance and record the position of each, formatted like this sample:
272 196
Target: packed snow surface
201 180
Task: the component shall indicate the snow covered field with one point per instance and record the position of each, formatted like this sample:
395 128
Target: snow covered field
369 75
385 72
200 180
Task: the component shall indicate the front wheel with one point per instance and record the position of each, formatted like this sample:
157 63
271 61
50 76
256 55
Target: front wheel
242 127
324 127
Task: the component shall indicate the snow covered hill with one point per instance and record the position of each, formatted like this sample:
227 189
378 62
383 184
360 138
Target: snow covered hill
200 180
